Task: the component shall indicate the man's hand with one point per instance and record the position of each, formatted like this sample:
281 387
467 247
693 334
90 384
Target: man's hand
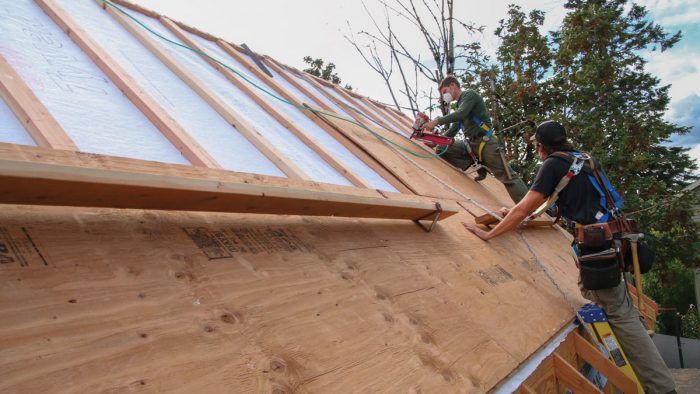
504 211
484 235
430 125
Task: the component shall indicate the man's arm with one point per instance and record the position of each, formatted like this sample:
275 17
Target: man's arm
515 216
452 131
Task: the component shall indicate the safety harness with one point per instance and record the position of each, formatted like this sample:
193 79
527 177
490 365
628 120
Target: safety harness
485 138
610 201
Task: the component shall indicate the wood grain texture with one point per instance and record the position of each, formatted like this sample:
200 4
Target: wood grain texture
183 302
601 363
570 378
39 183
190 148
36 119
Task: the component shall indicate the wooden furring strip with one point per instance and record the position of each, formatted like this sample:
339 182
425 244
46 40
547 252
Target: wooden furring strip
143 101
370 161
231 115
295 129
37 120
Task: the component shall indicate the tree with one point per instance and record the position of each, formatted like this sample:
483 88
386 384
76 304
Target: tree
437 28
323 70
515 86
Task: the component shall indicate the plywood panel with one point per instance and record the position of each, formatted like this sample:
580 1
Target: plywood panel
180 302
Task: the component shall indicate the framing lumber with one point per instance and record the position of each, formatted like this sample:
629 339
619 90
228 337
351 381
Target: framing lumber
571 378
37 120
194 152
259 100
361 106
272 63
487 220
401 120
602 364
40 183
231 115
295 129
389 120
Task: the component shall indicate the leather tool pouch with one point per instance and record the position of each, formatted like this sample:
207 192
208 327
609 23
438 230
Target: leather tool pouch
600 270
594 236
599 263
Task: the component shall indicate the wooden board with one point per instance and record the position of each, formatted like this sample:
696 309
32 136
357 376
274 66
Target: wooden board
488 219
189 148
33 115
37 182
119 300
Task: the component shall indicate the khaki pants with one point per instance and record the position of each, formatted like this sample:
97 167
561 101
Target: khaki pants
491 157
634 340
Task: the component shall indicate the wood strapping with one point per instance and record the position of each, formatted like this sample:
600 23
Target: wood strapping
194 152
33 115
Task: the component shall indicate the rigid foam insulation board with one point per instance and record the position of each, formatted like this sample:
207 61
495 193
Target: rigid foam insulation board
219 138
303 156
11 130
346 157
92 111
318 94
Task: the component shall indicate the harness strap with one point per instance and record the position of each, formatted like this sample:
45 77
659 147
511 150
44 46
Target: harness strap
574 169
489 133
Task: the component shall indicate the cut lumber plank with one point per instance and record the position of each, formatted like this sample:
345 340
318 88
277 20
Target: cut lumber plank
231 115
36 183
487 220
37 120
571 378
602 364
297 130
194 152
272 63
388 120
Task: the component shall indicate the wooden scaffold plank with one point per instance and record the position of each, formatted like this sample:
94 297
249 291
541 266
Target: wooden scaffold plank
231 115
39 182
190 148
37 120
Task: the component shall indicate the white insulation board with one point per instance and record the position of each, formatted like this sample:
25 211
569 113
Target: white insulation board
319 95
284 140
266 125
11 130
220 139
92 111
347 158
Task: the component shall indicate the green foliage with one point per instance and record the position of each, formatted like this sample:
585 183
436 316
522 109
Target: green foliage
590 76
690 323
671 285
323 70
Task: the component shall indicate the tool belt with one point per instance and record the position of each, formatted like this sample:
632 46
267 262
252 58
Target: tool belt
601 250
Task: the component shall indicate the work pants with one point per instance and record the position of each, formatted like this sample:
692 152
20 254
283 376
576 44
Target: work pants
491 157
640 350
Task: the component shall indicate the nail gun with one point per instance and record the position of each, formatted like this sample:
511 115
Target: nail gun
418 134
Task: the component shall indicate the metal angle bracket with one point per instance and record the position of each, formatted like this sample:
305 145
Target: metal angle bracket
435 215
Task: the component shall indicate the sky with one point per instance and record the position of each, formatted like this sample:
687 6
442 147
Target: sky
289 30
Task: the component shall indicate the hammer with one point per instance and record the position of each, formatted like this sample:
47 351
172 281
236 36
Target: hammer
634 238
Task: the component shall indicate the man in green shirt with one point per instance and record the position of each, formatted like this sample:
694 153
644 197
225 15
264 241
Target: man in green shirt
472 117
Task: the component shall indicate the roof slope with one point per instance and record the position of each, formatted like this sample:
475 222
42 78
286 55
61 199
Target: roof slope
313 281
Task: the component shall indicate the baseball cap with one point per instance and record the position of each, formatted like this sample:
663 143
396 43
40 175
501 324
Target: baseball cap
550 133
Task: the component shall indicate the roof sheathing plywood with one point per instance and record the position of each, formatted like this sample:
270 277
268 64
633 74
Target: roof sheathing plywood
192 301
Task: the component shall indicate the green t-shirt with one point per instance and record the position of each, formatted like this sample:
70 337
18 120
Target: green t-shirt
470 103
